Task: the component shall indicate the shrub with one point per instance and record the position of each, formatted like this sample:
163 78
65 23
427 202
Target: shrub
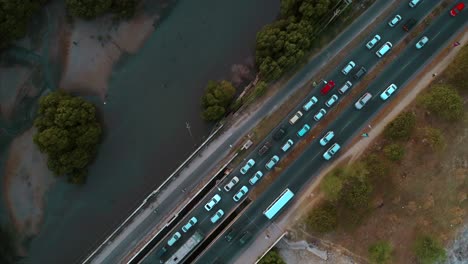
428 250
323 219
218 96
394 152
434 138
272 257
445 102
89 9
331 186
456 71
356 193
376 166
380 252
401 127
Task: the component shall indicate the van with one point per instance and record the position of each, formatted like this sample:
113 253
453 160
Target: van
363 101
345 87
384 49
296 117
414 3
245 237
310 103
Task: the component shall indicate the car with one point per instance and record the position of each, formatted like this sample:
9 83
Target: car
245 237
174 239
409 24
230 235
389 91
325 139
161 252
345 87
303 130
310 103
231 183
384 49
332 100
395 20
295 117
457 9
217 216
331 151
360 73
373 41
328 86
363 101
256 177
279 134
216 198
422 42
287 145
414 3
264 149
242 191
348 67
247 166
320 114
189 225
272 162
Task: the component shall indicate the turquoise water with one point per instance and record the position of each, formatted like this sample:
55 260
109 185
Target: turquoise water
152 95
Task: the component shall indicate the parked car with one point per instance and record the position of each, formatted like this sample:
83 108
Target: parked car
331 151
328 86
295 118
360 73
384 49
325 139
256 177
409 24
272 162
310 103
287 145
247 166
345 87
373 41
189 225
422 42
332 100
348 67
363 101
279 134
231 183
216 198
414 3
230 235
303 130
217 216
320 114
457 9
389 91
174 239
264 149
243 190
395 20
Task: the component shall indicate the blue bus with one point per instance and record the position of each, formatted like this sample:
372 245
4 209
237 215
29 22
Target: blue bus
278 204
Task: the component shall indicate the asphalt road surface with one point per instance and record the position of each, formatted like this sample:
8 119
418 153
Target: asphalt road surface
345 127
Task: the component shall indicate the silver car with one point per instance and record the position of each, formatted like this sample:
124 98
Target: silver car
373 41
231 184
328 136
174 239
189 225
217 216
348 67
216 198
332 100
331 151
422 42
320 114
247 166
240 193
363 101
394 21
389 91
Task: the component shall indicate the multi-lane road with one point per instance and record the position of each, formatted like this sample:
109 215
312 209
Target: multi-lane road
345 127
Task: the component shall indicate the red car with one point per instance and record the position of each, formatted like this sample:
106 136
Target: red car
457 9
330 84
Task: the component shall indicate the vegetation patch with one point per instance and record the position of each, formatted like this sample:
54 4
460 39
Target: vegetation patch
89 9
380 252
429 250
401 127
272 257
444 102
218 96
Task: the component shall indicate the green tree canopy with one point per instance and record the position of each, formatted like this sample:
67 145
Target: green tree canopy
380 252
272 257
14 18
428 250
401 127
394 152
92 8
68 132
218 96
323 219
444 102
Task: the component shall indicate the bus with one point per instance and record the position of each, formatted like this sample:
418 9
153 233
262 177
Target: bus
278 204
186 249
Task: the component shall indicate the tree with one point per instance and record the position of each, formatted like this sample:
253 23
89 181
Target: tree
356 193
323 219
380 252
15 16
218 96
68 132
272 257
434 138
428 250
213 113
394 152
444 102
401 127
89 9
376 166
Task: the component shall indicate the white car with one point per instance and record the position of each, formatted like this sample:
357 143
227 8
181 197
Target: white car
174 239
320 114
287 145
332 100
328 136
231 184
240 193
394 21
189 225
373 41
247 166
422 42
217 216
389 91
348 67
363 101
331 151
212 202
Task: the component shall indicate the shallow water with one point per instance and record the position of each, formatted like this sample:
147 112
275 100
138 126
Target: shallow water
152 95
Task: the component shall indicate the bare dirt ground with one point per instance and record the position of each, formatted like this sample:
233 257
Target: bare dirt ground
428 189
